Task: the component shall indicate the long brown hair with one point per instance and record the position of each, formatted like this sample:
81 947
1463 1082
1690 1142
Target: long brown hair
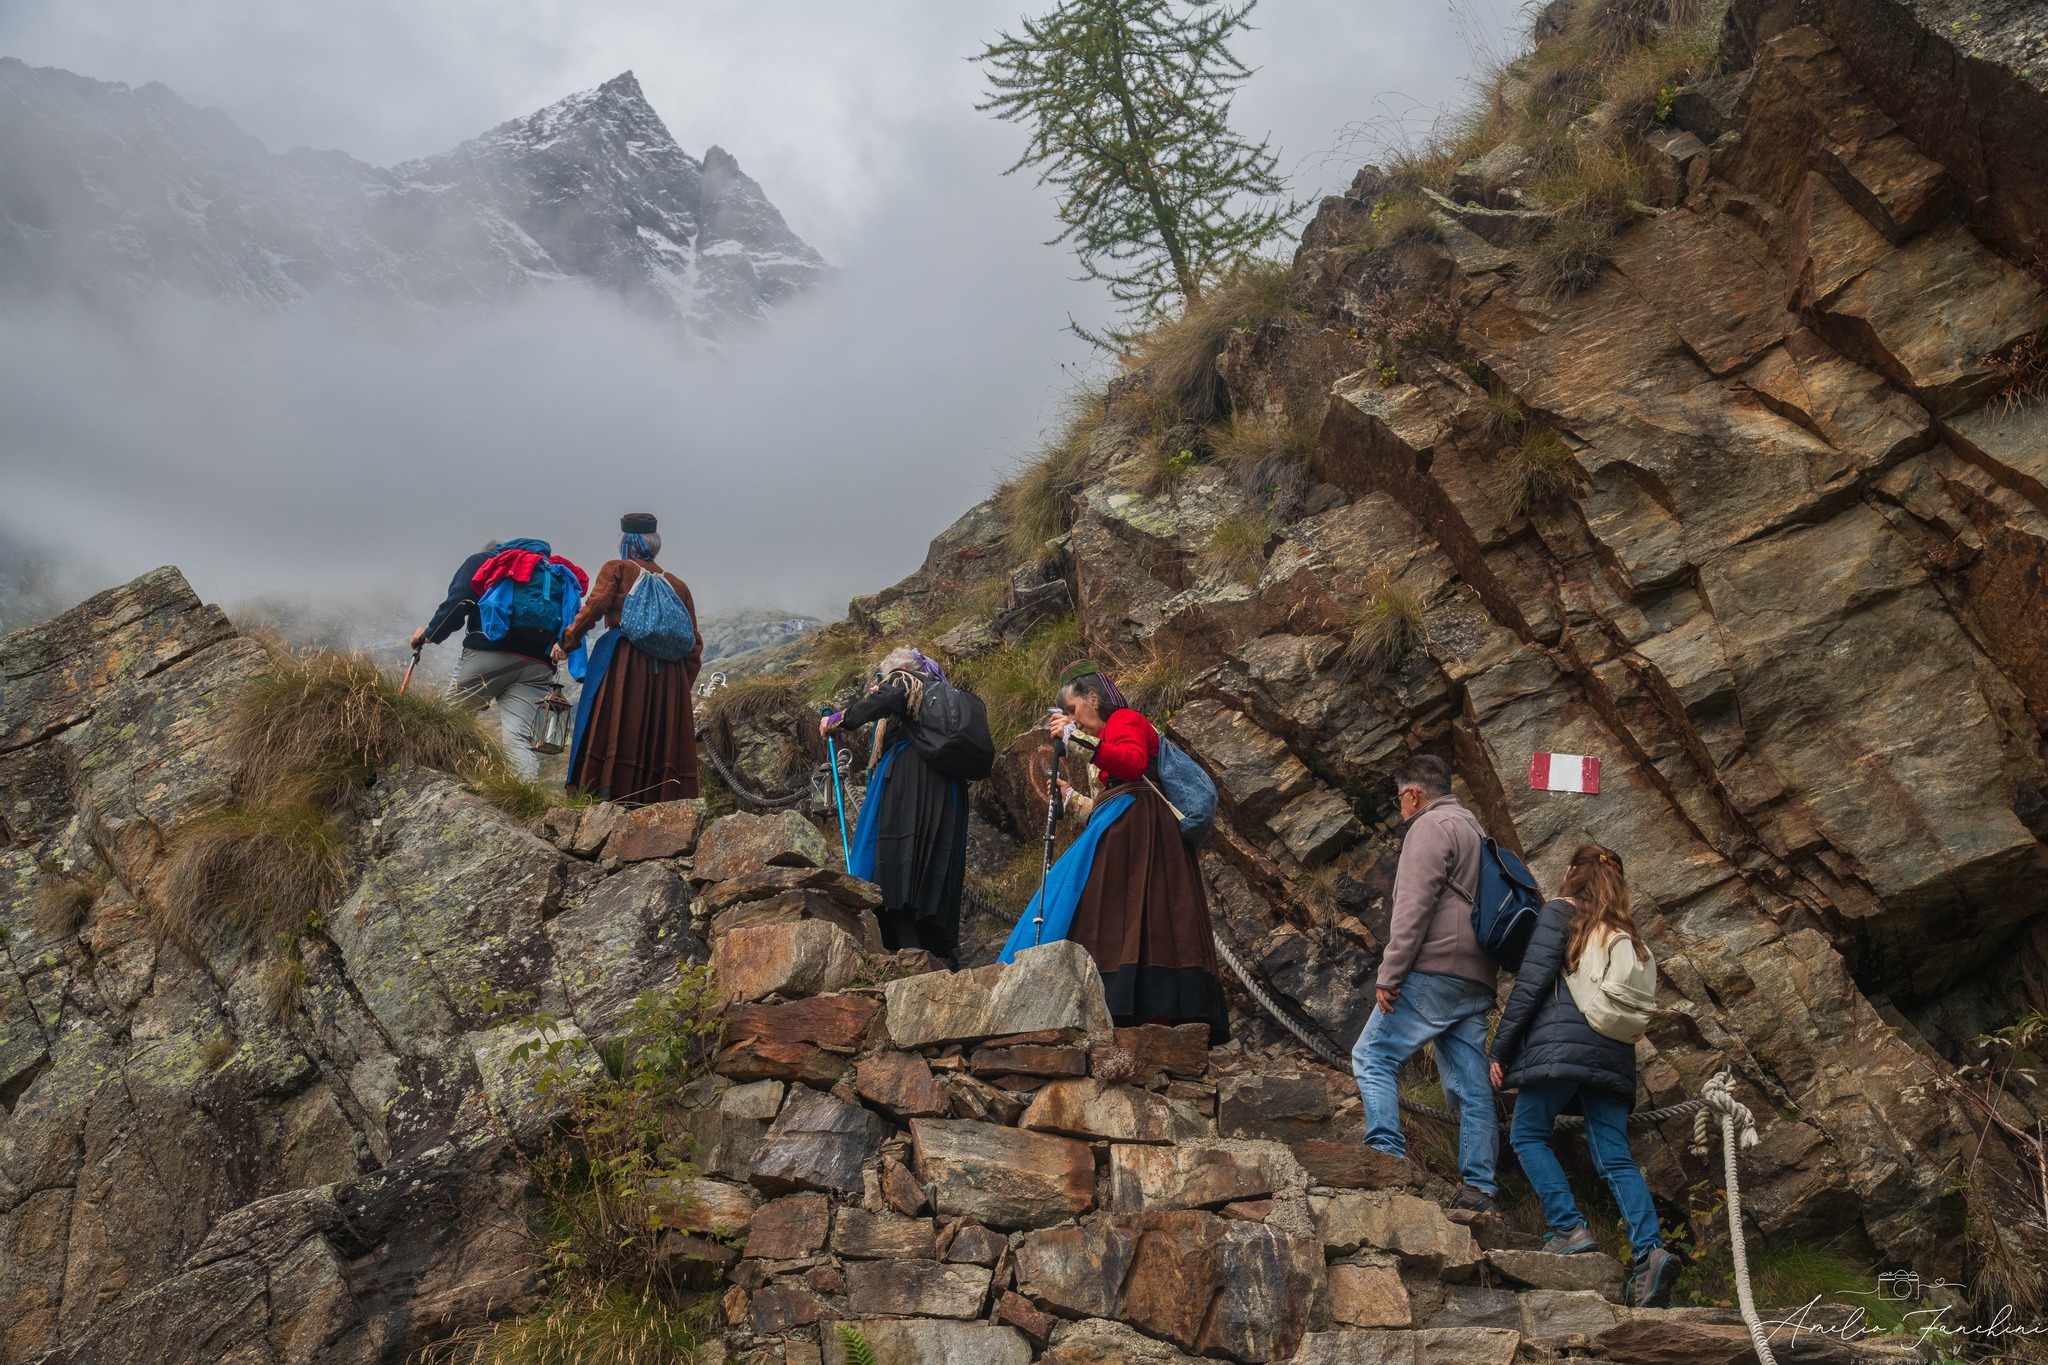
1595 884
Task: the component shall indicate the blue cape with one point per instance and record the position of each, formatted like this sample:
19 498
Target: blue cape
593 678
1063 887
860 859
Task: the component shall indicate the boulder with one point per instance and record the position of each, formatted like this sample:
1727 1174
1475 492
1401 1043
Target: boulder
1097 1342
1360 1348
1198 1175
628 936
975 1245
900 1084
850 892
1029 1060
1003 1177
742 845
1469 1345
1216 1286
1016 1310
1656 1339
1554 1316
1353 1165
935 1342
940 1007
788 907
792 1226
1282 1107
1056 986
1472 1305
807 958
919 1289
817 1142
1076 1272
782 1305
859 1235
807 1040
1546 1270
725 1122
1104 1111
1180 1051
700 1205
1369 1296
1413 1229
666 829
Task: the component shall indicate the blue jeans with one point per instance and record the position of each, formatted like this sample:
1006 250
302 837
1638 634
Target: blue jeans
1450 1012
1536 1109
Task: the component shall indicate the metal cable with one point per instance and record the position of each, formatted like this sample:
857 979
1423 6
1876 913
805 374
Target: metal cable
739 788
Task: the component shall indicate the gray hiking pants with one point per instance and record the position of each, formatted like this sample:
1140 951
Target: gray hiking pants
517 684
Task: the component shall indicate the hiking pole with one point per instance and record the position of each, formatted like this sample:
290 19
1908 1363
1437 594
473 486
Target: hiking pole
404 681
1052 815
832 757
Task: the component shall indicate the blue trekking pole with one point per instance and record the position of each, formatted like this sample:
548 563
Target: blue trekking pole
832 757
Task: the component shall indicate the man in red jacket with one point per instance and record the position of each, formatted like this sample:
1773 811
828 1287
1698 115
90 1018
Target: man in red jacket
1436 983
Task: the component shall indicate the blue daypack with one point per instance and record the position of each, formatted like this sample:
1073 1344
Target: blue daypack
656 621
1505 907
1189 790
537 604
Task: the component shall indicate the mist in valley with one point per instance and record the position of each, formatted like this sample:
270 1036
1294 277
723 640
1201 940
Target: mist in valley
325 471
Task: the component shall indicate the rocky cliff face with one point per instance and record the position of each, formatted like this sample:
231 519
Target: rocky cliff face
1792 597
111 190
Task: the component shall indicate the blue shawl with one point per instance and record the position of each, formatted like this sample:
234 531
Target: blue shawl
1063 887
860 859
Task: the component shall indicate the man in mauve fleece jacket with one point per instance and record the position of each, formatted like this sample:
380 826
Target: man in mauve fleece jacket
1436 983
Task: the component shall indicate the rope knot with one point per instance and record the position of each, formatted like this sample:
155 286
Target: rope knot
1719 1103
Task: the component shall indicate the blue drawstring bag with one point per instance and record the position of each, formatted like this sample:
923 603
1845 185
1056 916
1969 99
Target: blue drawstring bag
655 620
1189 790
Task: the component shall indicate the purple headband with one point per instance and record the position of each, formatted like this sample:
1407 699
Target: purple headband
928 666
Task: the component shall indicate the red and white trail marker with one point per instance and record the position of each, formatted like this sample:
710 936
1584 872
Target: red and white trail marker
1565 773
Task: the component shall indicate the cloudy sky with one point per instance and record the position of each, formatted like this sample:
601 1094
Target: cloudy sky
810 463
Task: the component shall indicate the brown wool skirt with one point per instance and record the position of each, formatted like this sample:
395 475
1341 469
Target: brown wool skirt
1144 917
641 744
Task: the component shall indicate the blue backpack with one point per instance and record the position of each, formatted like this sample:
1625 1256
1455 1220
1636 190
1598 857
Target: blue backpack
656 621
1189 790
537 604
1505 907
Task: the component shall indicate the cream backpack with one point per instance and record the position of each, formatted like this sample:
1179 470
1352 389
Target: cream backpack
1614 989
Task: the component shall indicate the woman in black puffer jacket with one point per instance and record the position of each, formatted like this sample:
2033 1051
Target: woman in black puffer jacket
1545 1049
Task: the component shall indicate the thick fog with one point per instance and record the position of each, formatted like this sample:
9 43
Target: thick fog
298 455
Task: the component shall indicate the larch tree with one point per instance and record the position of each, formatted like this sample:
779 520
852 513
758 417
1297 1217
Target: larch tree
1128 106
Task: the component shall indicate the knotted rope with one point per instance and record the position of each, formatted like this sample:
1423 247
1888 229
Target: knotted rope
1738 1132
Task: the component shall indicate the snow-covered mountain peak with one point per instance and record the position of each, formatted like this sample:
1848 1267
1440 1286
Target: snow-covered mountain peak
106 189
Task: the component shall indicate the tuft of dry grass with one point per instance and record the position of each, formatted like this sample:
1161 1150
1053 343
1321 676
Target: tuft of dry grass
1178 357
1394 219
770 699
1237 547
1016 682
1164 463
1384 629
584 1327
1037 497
1569 257
1162 681
63 900
1268 457
263 869
1542 472
306 738
335 720
1503 417
2022 373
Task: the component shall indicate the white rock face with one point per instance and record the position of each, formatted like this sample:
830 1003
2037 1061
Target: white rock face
107 190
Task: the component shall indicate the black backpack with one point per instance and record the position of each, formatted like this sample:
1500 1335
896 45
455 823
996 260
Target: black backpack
950 732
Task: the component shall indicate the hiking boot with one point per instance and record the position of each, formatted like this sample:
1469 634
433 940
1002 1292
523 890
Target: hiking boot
1651 1280
1474 1199
1571 1241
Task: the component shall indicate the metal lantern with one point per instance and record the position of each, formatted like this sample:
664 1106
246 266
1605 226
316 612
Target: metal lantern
554 723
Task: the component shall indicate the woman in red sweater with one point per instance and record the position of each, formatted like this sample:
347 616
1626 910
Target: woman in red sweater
1143 913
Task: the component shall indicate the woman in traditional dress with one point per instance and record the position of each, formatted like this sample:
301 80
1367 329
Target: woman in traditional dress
911 840
1129 889
636 737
